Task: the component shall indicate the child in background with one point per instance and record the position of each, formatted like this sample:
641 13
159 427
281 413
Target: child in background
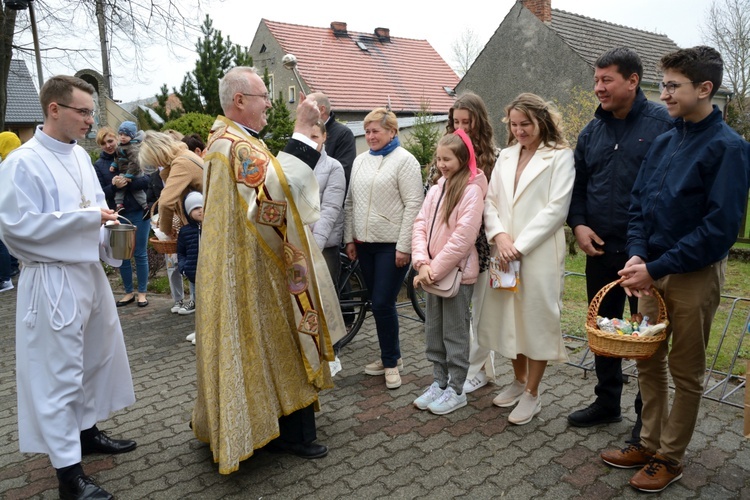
126 163
443 237
188 244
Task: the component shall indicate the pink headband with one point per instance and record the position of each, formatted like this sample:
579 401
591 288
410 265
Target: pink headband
472 156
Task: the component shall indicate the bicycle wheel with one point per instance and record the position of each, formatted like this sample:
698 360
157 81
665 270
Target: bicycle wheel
416 295
353 298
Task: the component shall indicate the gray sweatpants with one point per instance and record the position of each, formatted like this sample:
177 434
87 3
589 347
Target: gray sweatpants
447 337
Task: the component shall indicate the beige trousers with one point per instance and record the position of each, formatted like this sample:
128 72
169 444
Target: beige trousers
691 300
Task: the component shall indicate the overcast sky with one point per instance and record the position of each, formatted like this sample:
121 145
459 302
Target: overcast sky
440 22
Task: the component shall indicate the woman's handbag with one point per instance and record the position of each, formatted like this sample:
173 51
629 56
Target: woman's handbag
448 286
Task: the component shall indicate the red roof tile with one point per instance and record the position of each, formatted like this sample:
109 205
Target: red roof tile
402 69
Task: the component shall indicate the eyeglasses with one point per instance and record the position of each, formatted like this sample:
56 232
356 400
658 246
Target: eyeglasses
670 87
265 96
85 113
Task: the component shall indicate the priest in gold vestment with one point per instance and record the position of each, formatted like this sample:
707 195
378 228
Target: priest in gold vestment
266 308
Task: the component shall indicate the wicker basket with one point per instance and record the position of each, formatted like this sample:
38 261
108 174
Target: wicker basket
622 346
165 247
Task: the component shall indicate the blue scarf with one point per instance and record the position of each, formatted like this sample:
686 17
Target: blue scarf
387 148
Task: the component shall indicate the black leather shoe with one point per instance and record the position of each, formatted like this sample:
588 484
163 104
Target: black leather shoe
593 415
311 450
101 443
82 488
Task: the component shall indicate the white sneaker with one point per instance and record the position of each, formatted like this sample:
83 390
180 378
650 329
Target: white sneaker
528 406
191 338
431 394
471 385
6 285
176 307
510 395
377 368
193 341
447 402
187 308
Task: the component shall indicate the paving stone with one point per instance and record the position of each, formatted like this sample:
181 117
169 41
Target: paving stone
380 445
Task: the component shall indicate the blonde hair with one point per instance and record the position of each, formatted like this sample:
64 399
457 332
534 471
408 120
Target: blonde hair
385 118
159 150
177 136
456 184
103 133
546 119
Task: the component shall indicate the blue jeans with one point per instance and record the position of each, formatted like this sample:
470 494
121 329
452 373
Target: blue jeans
141 257
383 280
4 263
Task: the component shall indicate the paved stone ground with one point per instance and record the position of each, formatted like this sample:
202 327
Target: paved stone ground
381 446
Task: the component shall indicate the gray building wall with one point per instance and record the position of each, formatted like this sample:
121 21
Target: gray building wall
281 78
524 55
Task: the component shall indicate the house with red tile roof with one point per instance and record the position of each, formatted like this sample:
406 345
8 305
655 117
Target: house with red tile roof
357 71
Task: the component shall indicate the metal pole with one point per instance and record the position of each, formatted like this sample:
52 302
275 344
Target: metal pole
32 17
103 44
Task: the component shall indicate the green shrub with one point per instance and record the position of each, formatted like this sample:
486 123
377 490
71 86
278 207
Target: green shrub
192 123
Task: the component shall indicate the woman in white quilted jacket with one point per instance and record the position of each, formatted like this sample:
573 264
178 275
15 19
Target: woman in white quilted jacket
385 195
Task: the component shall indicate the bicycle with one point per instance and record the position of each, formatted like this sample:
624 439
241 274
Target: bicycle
355 302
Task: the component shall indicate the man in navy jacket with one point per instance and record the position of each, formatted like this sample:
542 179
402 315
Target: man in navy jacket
608 156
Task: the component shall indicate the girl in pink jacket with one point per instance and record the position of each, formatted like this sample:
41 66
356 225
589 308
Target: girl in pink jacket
443 237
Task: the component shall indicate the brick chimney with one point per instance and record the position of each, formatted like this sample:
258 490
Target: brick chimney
339 28
383 34
540 8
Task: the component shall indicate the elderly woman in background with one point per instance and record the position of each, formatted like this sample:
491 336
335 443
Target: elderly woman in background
524 214
385 195
111 183
180 169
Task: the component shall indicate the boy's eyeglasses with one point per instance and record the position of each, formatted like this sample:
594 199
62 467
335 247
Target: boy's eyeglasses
86 113
670 87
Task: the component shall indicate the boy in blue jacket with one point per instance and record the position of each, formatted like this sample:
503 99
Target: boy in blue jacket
188 243
685 213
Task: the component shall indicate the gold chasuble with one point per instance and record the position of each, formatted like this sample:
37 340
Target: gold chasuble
267 311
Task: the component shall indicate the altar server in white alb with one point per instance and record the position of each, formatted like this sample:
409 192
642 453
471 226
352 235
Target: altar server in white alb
71 364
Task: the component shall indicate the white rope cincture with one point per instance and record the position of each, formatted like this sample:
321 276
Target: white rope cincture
53 304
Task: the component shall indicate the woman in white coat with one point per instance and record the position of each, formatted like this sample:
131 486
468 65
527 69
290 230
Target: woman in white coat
524 214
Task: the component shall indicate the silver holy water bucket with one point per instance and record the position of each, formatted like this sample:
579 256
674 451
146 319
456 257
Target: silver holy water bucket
121 240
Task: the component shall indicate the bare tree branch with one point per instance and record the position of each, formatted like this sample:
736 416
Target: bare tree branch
133 28
465 50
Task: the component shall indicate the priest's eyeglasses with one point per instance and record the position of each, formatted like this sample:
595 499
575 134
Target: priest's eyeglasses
670 87
85 113
266 96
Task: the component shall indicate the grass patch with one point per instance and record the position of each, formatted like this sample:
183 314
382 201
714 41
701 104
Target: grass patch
160 284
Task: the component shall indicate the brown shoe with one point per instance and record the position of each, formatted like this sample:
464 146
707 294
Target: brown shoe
630 457
657 475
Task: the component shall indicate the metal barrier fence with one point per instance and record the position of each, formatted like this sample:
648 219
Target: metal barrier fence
723 387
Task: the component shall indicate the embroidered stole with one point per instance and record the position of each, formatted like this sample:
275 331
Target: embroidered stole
274 217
